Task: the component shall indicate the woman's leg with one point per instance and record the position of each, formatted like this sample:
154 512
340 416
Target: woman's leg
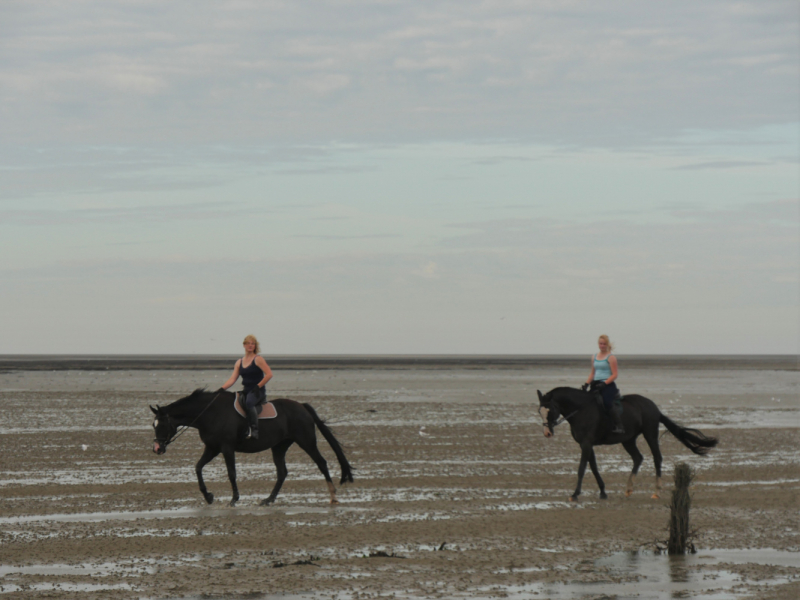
252 401
613 406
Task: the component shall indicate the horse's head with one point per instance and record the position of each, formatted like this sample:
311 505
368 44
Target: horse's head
165 430
549 411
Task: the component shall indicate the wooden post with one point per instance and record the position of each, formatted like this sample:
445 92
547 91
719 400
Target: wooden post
679 510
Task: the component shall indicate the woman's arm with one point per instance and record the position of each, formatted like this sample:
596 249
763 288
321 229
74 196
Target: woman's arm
262 364
612 362
233 377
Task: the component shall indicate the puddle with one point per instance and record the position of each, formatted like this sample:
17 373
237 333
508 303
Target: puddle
9 588
89 570
743 483
627 576
538 506
178 513
647 576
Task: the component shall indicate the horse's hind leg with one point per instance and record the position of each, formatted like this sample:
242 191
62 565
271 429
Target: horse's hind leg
230 463
208 455
637 457
652 440
279 458
311 449
596 473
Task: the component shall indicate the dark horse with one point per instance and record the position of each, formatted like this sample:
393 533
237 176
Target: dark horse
223 430
591 427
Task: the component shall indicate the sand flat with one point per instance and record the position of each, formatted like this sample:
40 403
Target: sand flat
457 492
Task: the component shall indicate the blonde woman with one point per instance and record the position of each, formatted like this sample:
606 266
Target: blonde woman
604 374
255 374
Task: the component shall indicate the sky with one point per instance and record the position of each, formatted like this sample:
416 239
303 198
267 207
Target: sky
358 177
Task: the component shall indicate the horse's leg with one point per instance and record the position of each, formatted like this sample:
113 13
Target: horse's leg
279 458
600 484
208 455
637 457
310 446
652 440
585 453
230 463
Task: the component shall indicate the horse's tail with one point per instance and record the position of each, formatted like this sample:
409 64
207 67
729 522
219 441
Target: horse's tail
347 470
694 440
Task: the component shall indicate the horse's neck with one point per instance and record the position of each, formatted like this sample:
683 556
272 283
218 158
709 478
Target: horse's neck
187 412
569 402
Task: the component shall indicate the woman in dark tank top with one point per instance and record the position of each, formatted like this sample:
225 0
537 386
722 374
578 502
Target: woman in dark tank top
255 374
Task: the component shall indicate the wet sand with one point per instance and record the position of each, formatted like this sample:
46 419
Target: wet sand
457 492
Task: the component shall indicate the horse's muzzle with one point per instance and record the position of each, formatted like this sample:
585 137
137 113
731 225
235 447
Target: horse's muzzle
548 433
159 448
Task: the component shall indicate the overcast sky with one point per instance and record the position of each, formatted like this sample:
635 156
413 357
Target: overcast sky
397 177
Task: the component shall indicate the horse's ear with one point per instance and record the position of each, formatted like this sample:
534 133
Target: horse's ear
540 395
155 412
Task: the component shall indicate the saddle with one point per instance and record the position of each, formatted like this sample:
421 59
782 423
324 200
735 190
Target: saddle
598 397
265 410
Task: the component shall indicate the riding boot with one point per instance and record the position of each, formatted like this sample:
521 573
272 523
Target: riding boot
252 418
616 416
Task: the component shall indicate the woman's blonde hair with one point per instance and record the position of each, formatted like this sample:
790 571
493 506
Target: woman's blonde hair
603 337
252 338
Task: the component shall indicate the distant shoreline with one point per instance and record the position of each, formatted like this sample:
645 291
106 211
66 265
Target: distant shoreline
786 362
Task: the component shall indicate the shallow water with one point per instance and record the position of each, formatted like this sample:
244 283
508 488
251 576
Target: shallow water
178 513
622 576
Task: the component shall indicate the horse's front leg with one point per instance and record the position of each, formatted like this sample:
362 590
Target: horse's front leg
230 463
586 451
600 484
208 455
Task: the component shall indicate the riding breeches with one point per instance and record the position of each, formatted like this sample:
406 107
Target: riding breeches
609 393
252 400
255 397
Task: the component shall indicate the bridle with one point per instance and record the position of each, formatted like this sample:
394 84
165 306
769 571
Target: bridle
560 420
179 433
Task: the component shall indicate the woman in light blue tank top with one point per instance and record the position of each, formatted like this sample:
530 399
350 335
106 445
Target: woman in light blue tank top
604 373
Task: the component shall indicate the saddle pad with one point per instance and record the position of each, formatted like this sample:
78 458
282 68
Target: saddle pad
267 410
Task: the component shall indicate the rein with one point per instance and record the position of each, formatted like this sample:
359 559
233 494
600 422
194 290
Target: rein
562 418
185 427
567 418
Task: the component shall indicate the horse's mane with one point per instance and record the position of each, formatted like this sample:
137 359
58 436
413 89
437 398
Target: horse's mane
188 400
580 396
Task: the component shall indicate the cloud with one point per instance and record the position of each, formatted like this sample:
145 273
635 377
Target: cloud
429 270
721 164
129 215
610 74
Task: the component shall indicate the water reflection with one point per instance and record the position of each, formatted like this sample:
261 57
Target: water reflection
629 576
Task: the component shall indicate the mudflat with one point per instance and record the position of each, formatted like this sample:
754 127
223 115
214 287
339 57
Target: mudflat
457 493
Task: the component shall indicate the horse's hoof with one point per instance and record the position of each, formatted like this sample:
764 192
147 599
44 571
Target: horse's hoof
232 503
209 498
603 496
334 501
655 497
573 498
628 493
267 501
